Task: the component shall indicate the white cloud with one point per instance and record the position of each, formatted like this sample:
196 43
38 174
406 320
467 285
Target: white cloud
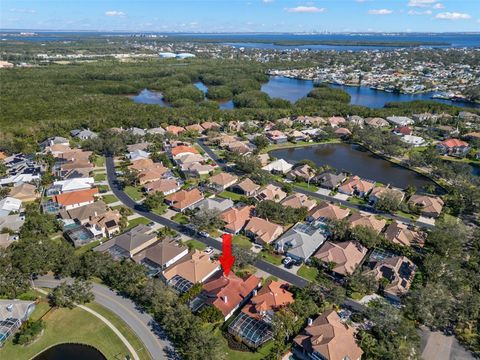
438 6
453 16
380 12
267 1
114 13
421 3
306 9
419 13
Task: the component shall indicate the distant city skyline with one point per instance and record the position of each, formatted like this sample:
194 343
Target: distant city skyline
243 15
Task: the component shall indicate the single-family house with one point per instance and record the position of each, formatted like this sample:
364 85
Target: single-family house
381 192
106 224
356 186
164 186
341 258
453 147
138 155
329 180
413 140
222 181
299 200
279 166
369 221
263 231
335 121
210 125
271 192
429 206
24 192
196 169
175 130
83 134
277 136
400 120
139 146
327 211
12 222
215 203
184 199
402 234
161 255
181 150
297 135
75 199
9 205
301 173
236 218
81 215
376 122
76 184
342 132
245 187
403 130
194 127
327 338
301 241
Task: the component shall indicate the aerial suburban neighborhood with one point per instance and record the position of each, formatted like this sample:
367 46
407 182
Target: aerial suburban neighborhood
240 196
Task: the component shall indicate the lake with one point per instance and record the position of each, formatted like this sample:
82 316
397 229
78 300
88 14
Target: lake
71 352
357 161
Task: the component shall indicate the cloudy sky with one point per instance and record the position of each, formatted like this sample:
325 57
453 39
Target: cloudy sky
242 15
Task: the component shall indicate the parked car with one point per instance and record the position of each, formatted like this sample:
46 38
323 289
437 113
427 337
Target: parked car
203 234
288 262
208 250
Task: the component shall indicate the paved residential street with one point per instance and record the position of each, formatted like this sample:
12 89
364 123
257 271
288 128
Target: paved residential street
141 323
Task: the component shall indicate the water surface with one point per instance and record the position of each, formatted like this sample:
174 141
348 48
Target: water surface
71 352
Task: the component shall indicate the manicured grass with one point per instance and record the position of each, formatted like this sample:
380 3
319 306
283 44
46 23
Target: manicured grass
138 221
195 244
108 199
100 177
357 200
407 215
271 258
70 326
103 188
88 247
134 193
160 210
305 186
180 218
99 161
242 241
230 195
307 272
297 144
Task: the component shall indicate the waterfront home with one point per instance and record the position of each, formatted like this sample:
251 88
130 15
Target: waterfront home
376 122
262 231
277 136
236 218
335 121
222 181
175 130
381 192
298 200
343 133
341 258
400 120
429 206
398 272
279 166
271 192
327 211
161 255
129 243
24 192
164 186
75 199
401 234
245 187
329 180
194 268
302 173
227 293
356 120
297 135
253 324
184 199
301 241
413 140
216 204
13 313
356 186
369 221
327 338
263 158
453 147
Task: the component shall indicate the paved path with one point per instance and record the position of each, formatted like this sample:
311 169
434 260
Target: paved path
141 323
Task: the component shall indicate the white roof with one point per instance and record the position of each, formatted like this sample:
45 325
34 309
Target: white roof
10 204
400 120
138 154
75 184
414 140
279 165
20 178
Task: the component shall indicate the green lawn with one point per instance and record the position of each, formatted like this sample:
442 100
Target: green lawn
195 244
103 188
305 186
75 326
134 193
100 177
242 241
407 215
88 247
271 258
99 161
230 195
108 199
162 209
180 218
357 200
307 272
137 221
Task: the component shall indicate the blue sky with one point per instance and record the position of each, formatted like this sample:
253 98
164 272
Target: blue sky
242 15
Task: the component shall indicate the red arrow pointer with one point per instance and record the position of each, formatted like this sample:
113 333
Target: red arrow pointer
227 260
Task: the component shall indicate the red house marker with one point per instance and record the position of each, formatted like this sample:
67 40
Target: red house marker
227 260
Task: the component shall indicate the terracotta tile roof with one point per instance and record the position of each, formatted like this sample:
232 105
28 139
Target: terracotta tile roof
248 185
2 155
271 192
24 192
329 211
381 191
331 338
271 297
184 198
223 179
76 197
236 218
370 221
399 233
194 267
297 201
428 204
207 125
141 164
263 229
356 184
343 131
399 271
226 293
346 256
174 129
152 173
452 143
162 185
194 127
182 149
